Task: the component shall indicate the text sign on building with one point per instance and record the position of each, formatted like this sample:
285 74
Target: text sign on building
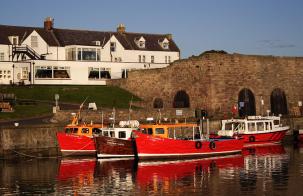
179 112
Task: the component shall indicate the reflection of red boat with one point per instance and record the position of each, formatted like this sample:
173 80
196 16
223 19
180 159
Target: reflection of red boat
155 172
181 141
255 130
75 168
264 150
77 139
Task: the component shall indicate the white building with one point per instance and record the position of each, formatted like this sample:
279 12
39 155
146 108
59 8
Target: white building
33 55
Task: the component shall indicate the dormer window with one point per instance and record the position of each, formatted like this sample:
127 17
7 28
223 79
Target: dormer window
140 42
164 43
14 40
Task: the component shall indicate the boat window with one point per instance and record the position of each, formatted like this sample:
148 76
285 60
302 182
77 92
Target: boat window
197 134
276 122
112 134
267 126
150 131
85 130
68 130
75 130
144 131
159 131
260 126
97 131
105 133
122 134
251 126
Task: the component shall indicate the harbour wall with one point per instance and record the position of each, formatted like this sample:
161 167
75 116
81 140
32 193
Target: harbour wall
29 141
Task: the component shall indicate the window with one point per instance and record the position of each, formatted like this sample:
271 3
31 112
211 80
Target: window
14 40
85 130
75 130
165 45
83 54
1 56
97 131
122 134
159 131
112 134
34 41
52 72
143 58
140 59
105 133
142 44
150 131
165 59
113 46
169 59
251 127
24 73
260 126
97 73
152 59
124 73
144 131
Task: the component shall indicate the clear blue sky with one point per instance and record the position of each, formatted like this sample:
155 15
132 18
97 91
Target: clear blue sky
265 27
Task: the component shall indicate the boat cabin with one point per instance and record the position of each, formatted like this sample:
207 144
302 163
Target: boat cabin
85 130
117 132
251 124
174 131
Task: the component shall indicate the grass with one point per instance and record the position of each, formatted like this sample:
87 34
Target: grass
103 96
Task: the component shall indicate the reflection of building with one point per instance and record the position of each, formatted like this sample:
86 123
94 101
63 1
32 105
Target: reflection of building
63 56
216 81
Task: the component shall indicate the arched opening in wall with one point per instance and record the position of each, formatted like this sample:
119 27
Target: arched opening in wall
246 103
158 103
181 100
278 102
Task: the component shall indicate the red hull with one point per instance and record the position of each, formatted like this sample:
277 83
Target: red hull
263 138
153 147
76 145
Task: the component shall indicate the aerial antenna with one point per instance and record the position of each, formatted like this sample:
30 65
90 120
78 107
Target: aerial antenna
130 107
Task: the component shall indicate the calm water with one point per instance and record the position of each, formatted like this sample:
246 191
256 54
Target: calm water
270 170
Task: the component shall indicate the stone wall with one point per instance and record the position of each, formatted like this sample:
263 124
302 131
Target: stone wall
213 81
29 141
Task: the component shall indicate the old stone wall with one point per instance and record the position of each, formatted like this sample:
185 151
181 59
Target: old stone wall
213 81
29 141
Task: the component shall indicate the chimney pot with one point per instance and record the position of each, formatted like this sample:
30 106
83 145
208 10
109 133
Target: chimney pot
48 23
121 28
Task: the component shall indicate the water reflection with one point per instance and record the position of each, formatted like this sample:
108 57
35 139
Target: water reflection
265 166
266 170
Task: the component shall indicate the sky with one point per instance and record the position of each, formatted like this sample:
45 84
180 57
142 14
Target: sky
258 27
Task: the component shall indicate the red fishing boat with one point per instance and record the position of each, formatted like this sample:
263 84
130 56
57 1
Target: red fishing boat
181 141
77 138
116 142
255 130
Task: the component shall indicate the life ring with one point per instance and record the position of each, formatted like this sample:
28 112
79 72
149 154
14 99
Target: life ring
198 144
212 145
252 139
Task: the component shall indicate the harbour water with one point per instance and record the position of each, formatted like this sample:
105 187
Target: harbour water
266 170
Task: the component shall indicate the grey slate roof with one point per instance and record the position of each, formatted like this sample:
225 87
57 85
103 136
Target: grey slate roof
65 37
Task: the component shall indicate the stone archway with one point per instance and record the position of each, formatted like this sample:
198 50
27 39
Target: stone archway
181 100
158 103
278 102
246 103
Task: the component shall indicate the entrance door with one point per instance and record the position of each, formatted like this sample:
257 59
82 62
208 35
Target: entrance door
278 102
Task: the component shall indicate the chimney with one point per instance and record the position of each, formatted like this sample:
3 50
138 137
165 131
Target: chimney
121 28
48 23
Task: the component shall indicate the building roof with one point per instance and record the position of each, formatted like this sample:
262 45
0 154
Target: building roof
65 37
